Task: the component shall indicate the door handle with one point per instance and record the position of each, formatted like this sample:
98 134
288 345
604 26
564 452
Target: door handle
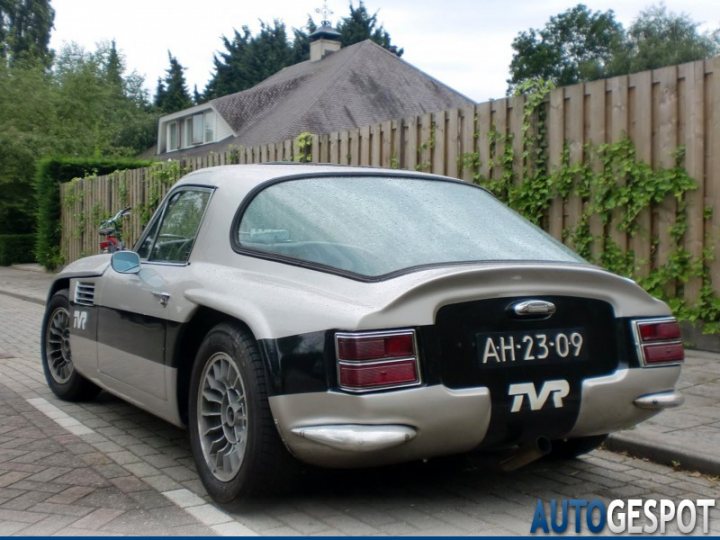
162 297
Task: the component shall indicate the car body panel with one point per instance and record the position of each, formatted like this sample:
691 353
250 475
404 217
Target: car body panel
129 343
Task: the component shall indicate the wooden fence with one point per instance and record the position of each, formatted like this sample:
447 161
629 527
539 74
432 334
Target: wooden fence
659 110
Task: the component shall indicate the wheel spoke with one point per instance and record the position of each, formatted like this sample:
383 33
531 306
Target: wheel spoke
222 416
57 346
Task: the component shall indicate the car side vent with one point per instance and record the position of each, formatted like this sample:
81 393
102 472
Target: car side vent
85 293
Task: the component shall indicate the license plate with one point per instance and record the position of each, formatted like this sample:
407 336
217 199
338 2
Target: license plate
537 347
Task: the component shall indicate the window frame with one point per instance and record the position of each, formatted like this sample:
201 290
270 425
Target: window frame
172 127
159 216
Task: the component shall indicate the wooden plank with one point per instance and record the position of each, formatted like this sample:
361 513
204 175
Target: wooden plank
324 143
574 133
595 135
335 148
438 142
515 124
556 142
640 129
398 146
387 144
712 167
376 145
315 149
499 114
354 149
454 144
468 138
344 148
481 139
427 135
618 130
411 144
665 102
364 143
693 107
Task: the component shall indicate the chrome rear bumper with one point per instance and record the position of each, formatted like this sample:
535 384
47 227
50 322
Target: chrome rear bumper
660 401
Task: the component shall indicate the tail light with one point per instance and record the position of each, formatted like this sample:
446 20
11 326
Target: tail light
376 360
658 341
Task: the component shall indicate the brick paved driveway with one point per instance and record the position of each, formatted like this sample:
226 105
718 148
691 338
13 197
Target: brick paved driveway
106 467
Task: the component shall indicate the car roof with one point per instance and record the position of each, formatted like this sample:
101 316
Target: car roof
238 180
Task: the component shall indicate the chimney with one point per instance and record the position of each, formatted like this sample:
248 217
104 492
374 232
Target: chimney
323 41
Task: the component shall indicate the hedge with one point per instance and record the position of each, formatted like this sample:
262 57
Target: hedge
49 174
16 248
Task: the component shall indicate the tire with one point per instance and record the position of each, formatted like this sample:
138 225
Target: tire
60 374
572 448
234 441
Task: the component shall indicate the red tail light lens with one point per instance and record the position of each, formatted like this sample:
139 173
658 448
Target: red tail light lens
375 347
374 360
659 341
378 375
659 331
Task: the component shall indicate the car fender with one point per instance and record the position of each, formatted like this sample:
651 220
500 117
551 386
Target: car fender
92 266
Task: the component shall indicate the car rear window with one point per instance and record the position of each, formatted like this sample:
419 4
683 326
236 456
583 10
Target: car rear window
374 226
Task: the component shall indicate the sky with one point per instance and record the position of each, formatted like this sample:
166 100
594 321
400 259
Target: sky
465 44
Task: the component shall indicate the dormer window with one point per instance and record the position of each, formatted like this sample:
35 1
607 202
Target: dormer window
191 128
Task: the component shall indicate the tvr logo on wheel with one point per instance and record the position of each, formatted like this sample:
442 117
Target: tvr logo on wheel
557 389
80 319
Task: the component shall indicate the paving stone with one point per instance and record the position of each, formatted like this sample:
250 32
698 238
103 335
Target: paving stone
71 494
25 500
12 477
127 484
48 526
179 473
10 527
97 518
62 509
82 477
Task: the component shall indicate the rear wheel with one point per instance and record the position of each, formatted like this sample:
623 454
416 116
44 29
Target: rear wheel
235 444
572 448
62 378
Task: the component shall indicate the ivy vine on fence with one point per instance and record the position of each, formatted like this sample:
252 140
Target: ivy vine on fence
615 188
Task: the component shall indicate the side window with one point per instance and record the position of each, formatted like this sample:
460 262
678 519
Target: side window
171 238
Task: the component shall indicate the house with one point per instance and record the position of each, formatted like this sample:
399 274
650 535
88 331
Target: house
335 90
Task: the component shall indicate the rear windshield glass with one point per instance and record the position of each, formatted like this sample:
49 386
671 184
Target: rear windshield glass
378 225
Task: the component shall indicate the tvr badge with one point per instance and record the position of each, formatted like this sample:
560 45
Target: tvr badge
536 400
80 319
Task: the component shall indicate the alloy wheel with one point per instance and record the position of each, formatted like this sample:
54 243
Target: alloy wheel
222 416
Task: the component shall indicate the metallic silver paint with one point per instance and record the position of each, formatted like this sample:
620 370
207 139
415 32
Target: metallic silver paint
608 403
446 421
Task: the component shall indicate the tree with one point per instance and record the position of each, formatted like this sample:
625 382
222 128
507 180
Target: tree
360 25
574 46
172 92
85 106
581 45
248 60
657 38
25 27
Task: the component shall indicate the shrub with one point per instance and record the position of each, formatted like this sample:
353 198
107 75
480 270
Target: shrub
16 248
50 173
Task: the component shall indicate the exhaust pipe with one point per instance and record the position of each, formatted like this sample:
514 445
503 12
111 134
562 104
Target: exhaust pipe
527 454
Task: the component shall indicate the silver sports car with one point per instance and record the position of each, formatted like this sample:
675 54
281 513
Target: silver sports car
349 317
